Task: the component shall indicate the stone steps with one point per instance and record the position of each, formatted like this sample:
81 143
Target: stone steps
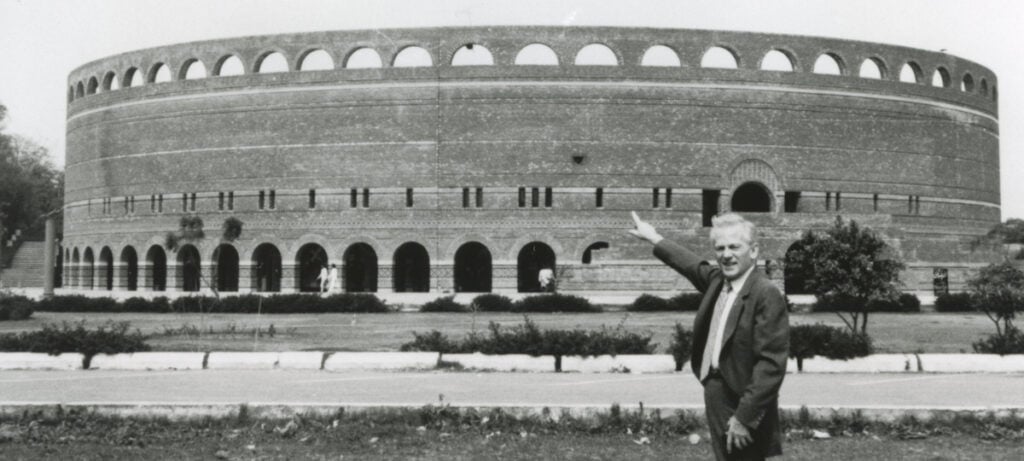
27 268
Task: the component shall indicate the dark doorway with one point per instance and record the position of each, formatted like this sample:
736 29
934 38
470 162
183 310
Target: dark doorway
266 268
107 269
58 269
360 268
472 268
532 258
88 266
793 279
130 266
226 259
594 248
188 268
76 269
310 259
751 197
411 269
156 277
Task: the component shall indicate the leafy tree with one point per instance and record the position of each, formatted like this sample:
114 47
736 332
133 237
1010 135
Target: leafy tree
848 266
998 291
30 185
1011 231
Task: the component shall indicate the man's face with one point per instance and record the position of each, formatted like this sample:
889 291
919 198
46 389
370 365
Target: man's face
734 252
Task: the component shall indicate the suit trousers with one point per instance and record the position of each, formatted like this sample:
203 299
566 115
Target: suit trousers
720 404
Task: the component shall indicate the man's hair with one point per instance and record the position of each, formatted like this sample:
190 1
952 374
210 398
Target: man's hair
729 220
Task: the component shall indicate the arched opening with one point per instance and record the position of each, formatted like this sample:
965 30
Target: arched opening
106 269
271 62
532 258
660 56
93 86
159 73
536 54
229 65
940 78
364 58
411 269
472 55
776 60
156 268
188 268
828 64
226 271
316 60
413 56
983 87
793 280
130 268
967 83
266 262
589 255
910 73
310 259
596 54
58 272
872 68
193 69
751 197
719 58
79 90
132 78
74 280
472 268
360 268
110 82
88 266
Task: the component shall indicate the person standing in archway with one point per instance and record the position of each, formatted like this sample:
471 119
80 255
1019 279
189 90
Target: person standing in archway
546 278
740 337
332 275
323 278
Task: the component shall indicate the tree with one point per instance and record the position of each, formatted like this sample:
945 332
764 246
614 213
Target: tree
998 291
190 229
1005 233
30 185
849 266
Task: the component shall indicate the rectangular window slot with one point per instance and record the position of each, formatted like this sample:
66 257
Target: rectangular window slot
408 197
668 197
353 198
366 197
599 197
709 208
654 198
522 197
312 199
263 200
231 201
479 197
792 201
547 197
273 199
535 197
220 201
465 197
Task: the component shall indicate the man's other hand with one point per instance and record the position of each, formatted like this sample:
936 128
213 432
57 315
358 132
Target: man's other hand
644 230
737 434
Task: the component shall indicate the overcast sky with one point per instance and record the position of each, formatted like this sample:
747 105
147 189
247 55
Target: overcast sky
41 41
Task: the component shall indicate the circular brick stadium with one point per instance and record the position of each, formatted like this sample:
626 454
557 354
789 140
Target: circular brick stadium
467 159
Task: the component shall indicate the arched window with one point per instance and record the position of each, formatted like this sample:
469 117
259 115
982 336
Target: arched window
413 56
472 268
660 56
592 250
751 197
132 78
828 64
80 90
360 268
316 60
940 78
159 73
872 68
532 258
719 58
411 268
226 271
110 82
270 63
911 73
266 272
967 83
596 54
776 60
472 55
983 87
156 268
192 69
228 65
129 269
536 54
106 275
364 58
93 86
309 262
189 266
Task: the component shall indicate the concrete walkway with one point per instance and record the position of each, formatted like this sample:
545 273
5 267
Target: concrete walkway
219 392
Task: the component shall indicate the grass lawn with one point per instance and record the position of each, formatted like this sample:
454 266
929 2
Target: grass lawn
930 332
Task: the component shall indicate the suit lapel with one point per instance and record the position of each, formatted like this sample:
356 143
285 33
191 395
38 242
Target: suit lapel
701 323
737 308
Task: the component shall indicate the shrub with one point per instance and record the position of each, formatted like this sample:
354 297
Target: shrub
648 303
137 304
77 303
806 341
355 302
906 302
443 304
434 341
109 338
1010 342
954 302
554 302
684 302
15 307
681 346
491 302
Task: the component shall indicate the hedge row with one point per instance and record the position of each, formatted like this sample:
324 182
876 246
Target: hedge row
110 338
954 302
683 302
546 303
243 304
906 302
15 307
806 341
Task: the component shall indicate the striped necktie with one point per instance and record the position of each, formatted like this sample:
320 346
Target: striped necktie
716 318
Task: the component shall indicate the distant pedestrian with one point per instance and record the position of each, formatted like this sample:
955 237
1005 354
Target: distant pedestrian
334 280
323 278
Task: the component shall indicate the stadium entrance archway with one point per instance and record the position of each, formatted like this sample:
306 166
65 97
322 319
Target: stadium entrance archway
532 258
88 266
156 272
472 268
226 258
188 268
360 268
130 268
310 259
411 269
751 197
267 268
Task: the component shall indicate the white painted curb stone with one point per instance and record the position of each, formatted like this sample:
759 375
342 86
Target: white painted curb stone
300 360
877 363
40 361
149 361
380 361
620 363
507 362
242 360
971 363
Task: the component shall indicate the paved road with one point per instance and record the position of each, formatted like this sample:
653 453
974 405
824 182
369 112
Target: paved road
924 391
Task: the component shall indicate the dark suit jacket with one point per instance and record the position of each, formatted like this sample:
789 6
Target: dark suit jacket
755 345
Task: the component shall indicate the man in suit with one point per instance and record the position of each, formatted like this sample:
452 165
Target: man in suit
741 337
